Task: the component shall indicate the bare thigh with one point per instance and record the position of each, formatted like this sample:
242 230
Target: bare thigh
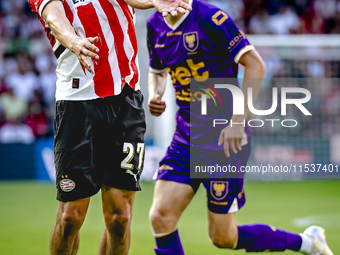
117 203
223 230
170 200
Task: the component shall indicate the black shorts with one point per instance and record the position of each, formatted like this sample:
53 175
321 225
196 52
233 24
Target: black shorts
97 142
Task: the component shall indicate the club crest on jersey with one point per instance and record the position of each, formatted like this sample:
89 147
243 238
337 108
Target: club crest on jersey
219 189
67 185
191 41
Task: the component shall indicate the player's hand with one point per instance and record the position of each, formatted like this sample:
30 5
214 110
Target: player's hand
85 48
156 105
172 7
232 138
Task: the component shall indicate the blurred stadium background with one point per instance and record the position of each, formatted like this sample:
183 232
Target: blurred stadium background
298 39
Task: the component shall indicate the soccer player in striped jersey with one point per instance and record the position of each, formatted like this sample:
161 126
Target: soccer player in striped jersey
196 46
100 122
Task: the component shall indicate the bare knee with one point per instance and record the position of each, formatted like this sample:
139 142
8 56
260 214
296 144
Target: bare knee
226 241
223 235
163 220
170 200
71 221
156 218
223 230
118 223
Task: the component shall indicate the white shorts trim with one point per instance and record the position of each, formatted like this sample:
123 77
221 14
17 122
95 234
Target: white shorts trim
152 70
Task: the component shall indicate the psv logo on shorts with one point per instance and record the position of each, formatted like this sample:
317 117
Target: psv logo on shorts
67 185
219 189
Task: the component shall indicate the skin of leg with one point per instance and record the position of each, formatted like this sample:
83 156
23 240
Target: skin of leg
223 230
117 210
65 234
170 200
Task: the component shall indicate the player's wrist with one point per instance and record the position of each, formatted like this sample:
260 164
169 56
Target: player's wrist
151 4
154 95
74 44
239 118
151 96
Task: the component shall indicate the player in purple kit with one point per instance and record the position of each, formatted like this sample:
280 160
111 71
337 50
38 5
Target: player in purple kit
194 47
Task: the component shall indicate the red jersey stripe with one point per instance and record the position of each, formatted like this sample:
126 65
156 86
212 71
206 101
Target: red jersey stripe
113 22
133 40
118 35
68 12
70 17
103 81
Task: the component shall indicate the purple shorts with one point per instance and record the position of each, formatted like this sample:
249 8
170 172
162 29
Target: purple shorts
225 195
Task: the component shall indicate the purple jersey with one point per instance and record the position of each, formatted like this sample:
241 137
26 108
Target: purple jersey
205 43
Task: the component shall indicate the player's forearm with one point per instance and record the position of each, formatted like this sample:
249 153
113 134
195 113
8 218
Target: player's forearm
157 84
253 75
140 4
55 17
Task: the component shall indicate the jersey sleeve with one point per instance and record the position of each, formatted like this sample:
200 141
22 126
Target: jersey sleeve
225 33
38 6
155 63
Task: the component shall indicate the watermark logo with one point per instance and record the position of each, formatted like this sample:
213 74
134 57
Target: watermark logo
212 93
239 104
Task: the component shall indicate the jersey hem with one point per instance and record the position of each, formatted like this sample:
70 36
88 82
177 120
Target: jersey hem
76 99
71 98
245 49
153 70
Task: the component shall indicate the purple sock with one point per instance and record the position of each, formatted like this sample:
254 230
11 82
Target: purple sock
169 245
260 237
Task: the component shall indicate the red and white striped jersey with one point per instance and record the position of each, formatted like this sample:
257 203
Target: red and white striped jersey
113 21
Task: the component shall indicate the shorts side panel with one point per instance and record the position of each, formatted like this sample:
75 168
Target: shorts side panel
127 146
227 194
90 138
73 152
175 165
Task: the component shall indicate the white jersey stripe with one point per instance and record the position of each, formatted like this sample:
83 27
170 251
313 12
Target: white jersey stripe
137 87
127 43
112 70
110 40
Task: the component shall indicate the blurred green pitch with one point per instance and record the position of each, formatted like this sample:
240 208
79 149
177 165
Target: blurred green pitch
27 214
